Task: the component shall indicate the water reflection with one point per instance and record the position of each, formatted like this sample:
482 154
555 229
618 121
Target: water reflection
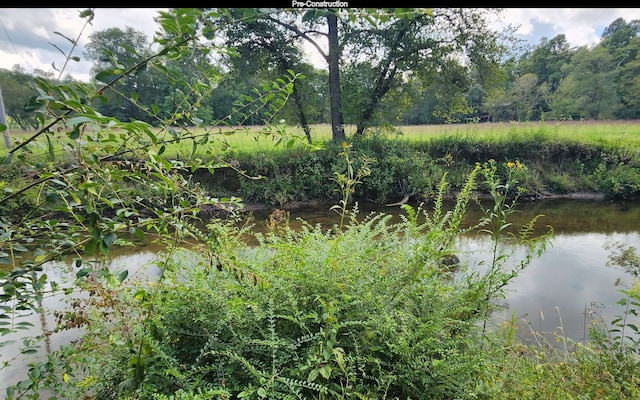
570 216
558 293
140 266
563 290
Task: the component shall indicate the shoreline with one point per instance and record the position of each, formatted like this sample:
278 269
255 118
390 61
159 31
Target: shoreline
296 205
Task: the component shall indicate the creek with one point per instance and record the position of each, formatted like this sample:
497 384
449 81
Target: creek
556 297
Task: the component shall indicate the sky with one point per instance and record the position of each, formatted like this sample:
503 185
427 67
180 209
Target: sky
27 35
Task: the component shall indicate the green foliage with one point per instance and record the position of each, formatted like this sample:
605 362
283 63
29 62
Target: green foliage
103 183
348 181
363 309
505 193
622 181
410 167
16 88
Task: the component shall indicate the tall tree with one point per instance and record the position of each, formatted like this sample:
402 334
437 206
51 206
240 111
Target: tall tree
392 42
397 42
261 50
547 60
529 95
622 40
619 33
115 49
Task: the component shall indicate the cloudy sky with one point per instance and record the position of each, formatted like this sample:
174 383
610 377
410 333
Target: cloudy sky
27 34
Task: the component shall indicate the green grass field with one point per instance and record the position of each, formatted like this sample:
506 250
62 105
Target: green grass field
254 138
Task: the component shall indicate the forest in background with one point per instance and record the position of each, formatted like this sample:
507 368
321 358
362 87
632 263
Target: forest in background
505 81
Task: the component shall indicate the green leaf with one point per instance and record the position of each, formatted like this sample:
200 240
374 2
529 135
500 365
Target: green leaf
60 50
109 239
106 76
83 272
313 375
73 42
75 133
86 13
80 120
91 246
123 275
33 104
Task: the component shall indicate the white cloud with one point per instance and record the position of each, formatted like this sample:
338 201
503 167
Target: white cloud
42 32
581 26
25 33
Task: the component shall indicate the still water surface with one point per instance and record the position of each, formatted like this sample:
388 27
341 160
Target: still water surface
570 284
557 295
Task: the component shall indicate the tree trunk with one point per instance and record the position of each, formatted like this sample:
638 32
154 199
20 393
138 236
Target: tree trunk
303 118
381 87
3 121
335 95
284 64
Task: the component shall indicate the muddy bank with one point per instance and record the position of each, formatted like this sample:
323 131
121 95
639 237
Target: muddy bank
211 211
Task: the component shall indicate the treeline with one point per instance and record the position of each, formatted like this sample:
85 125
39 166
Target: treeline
548 81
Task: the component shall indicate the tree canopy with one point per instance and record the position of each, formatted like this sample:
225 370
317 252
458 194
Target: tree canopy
377 66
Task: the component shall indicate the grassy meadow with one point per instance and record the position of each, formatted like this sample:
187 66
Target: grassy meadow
256 138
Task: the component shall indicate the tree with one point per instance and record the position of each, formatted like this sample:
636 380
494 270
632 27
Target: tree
114 50
442 95
529 96
629 82
547 60
500 106
422 42
619 34
589 90
622 41
266 53
392 42
17 88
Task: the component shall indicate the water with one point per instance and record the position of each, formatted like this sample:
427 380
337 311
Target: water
557 296
140 266
560 293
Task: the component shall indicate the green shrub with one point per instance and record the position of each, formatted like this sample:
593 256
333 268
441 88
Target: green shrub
622 182
364 309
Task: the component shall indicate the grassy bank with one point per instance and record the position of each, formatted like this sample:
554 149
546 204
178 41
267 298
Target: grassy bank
558 158
407 162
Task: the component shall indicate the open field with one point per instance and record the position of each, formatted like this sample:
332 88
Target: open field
254 138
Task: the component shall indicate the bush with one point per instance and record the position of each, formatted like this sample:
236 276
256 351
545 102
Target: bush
363 309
